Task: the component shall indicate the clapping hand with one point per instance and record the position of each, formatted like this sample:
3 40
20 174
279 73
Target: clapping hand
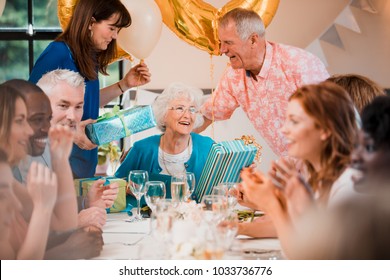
61 141
42 186
259 191
298 192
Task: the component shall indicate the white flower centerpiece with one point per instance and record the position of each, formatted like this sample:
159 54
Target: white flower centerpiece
190 234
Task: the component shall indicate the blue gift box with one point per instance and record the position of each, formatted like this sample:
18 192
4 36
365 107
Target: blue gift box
224 163
120 123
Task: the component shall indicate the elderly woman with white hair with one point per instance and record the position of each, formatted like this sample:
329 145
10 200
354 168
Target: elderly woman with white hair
177 149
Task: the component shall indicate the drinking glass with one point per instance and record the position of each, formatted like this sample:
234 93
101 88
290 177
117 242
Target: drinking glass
214 208
137 181
227 230
230 189
179 187
220 189
154 192
190 185
161 220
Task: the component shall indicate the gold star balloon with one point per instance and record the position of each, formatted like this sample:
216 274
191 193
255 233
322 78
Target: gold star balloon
195 21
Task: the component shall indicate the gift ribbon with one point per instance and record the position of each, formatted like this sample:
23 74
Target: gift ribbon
250 140
116 112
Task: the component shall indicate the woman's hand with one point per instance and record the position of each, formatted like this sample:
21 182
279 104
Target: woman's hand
298 193
137 76
42 186
259 190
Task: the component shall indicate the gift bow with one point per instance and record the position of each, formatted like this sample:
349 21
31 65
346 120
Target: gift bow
250 140
116 112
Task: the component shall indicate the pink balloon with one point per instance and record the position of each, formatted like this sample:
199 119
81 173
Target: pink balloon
144 32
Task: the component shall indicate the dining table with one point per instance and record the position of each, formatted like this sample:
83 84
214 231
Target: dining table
124 240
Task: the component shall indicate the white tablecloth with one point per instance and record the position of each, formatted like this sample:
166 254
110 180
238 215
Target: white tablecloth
122 240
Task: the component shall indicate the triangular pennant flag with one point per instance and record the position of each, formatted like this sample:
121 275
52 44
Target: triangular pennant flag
316 49
332 37
364 5
348 20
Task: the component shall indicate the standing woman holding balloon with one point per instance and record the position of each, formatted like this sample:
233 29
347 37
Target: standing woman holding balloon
87 46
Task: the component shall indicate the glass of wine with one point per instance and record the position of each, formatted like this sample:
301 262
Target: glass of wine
137 182
154 192
190 185
179 187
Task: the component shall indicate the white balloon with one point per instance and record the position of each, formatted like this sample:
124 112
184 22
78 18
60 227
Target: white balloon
144 32
2 5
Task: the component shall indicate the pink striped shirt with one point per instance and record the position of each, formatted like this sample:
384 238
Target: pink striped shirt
264 100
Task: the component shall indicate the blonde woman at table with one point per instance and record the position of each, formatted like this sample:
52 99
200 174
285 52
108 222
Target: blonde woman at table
324 142
177 149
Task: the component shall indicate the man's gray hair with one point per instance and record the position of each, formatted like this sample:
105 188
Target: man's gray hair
52 78
247 22
172 92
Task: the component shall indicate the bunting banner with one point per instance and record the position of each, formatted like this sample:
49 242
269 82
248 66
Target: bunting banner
345 19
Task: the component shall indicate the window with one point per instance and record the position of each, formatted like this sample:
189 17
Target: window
26 28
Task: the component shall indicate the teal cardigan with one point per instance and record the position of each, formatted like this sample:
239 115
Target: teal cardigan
144 156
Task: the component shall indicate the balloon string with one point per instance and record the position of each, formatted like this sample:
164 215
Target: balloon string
136 90
212 95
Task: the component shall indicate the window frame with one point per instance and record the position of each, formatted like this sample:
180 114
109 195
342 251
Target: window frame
32 34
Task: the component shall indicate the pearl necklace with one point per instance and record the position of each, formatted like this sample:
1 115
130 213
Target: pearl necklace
163 154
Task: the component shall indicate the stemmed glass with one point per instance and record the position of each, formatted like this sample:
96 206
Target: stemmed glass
190 185
179 187
137 181
229 189
220 189
214 208
154 192
227 230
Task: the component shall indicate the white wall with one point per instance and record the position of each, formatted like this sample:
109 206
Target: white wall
297 22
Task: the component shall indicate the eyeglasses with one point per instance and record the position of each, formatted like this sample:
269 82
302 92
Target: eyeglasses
180 110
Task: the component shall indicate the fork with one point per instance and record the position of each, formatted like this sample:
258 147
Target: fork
128 243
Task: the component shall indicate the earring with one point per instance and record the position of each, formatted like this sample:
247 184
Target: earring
91 33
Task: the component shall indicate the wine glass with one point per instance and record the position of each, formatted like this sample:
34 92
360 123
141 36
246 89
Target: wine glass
190 185
179 187
230 190
161 219
214 208
154 192
220 189
137 181
227 230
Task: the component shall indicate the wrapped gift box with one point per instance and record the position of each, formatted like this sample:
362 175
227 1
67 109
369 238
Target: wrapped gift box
120 123
82 187
224 163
